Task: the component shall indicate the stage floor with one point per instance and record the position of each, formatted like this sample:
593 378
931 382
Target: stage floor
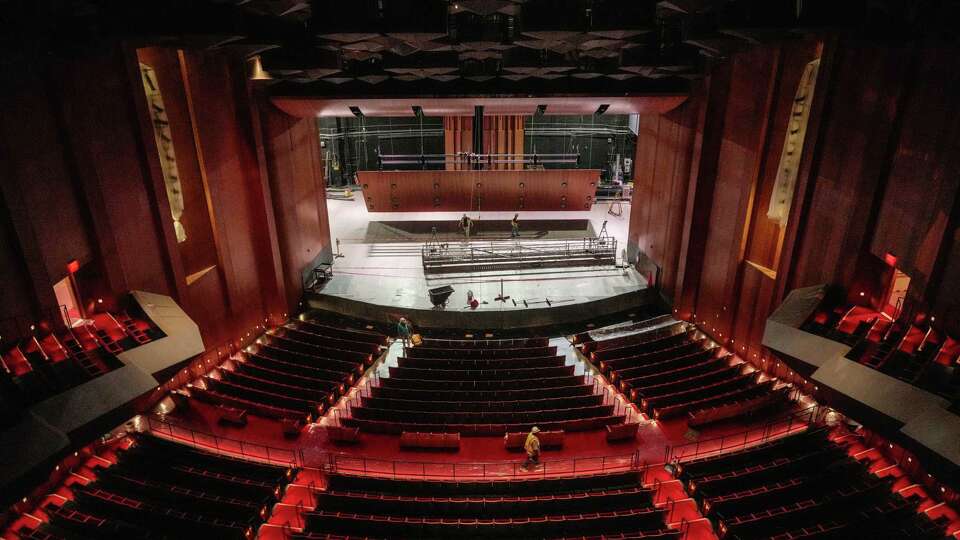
381 263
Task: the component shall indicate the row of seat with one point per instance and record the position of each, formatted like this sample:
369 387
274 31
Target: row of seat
669 376
159 488
659 342
675 351
490 416
741 396
493 385
396 427
659 534
282 339
680 373
520 373
674 363
480 363
666 397
802 485
464 395
341 330
291 373
590 400
551 525
534 485
625 335
602 504
334 368
435 343
479 351
481 387
488 506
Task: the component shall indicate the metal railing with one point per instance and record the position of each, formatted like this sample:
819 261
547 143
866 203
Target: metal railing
771 430
434 254
332 462
224 445
660 321
494 470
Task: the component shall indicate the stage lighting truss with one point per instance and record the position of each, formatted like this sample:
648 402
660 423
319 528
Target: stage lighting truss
469 159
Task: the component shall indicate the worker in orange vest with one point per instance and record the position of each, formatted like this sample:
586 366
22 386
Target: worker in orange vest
532 446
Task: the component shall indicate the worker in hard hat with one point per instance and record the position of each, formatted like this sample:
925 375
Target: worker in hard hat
532 446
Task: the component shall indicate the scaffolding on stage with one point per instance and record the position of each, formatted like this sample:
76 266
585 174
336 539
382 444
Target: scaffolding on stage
454 257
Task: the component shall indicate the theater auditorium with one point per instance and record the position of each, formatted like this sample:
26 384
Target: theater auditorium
520 269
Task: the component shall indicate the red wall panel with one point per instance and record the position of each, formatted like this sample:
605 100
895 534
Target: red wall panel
662 173
45 206
739 164
462 191
292 150
232 181
107 143
858 135
924 179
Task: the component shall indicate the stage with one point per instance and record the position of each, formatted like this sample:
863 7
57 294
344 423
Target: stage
381 276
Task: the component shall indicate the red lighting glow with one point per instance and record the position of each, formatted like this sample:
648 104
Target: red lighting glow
890 259
73 266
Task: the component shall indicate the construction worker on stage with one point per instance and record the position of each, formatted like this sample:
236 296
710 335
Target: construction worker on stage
465 224
515 226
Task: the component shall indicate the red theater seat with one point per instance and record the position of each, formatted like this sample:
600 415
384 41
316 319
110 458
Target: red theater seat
622 432
430 441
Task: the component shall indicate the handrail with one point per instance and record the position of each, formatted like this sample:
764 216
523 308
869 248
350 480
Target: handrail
369 466
806 417
225 445
333 462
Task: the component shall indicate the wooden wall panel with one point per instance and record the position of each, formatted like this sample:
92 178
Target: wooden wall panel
502 134
292 151
858 135
662 172
923 184
945 302
765 238
457 191
41 176
108 145
199 250
751 88
16 288
457 138
233 182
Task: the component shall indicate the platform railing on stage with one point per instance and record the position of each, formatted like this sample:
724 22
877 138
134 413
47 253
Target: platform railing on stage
489 252
772 429
332 462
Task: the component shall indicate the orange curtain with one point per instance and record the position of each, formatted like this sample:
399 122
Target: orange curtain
457 137
502 134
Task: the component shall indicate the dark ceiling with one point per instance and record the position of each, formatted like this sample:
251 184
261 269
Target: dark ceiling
382 48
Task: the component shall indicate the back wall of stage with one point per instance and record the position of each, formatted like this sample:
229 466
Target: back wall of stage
420 191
